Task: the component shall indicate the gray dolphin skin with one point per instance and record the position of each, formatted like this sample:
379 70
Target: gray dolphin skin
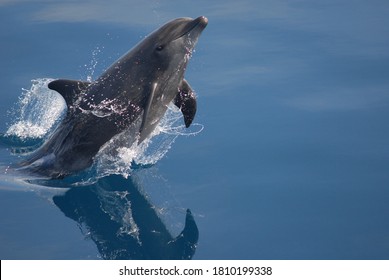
132 95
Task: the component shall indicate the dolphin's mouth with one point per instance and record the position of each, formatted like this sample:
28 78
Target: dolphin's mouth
197 24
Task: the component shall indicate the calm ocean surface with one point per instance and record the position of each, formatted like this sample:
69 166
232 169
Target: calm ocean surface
288 158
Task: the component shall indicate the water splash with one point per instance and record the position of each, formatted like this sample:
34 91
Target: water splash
39 110
123 154
91 68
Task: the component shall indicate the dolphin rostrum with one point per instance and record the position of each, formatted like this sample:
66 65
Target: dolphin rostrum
132 94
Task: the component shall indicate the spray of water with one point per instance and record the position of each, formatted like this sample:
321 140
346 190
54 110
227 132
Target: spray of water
38 111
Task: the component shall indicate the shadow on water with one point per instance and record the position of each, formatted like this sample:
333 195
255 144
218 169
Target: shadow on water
123 224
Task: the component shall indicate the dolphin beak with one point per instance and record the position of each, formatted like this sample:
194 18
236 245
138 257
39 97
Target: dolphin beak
201 22
197 25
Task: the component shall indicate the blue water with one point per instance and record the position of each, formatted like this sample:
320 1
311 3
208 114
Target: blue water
288 158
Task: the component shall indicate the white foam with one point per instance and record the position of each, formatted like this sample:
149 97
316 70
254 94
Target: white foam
120 154
39 109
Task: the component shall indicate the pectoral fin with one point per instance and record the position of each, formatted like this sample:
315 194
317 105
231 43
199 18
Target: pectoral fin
69 89
186 101
184 245
145 127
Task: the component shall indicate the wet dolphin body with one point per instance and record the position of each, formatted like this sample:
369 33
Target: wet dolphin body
132 94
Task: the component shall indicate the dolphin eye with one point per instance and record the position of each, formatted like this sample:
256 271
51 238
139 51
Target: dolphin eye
159 47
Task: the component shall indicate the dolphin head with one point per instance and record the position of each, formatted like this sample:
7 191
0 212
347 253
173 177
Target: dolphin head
179 31
161 60
170 47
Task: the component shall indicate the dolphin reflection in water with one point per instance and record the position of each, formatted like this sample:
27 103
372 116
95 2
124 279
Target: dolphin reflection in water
123 223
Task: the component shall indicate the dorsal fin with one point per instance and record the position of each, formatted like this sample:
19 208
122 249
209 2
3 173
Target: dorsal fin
186 101
69 89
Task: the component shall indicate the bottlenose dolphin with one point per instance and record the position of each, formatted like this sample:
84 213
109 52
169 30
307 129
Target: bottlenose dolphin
131 95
